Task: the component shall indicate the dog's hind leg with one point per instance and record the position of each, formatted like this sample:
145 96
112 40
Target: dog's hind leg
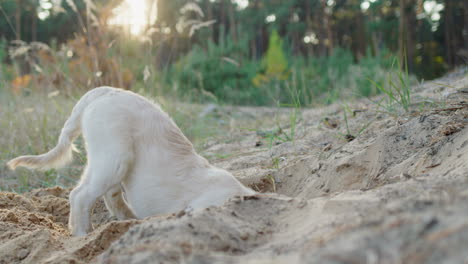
117 205
103 173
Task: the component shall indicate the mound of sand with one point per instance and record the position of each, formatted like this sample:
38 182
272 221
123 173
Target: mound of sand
33 229
396 193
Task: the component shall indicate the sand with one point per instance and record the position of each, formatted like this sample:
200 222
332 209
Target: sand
396 193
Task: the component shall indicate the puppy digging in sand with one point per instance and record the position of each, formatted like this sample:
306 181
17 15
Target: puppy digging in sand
133 148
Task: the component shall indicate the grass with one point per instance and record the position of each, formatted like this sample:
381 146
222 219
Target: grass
280 134
30 125
396 90
350 134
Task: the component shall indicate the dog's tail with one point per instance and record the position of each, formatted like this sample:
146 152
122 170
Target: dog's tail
61 154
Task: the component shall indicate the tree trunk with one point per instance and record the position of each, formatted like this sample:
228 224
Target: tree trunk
34 24
450 34
232 22
406 33
321 28
328 27
222 21
411 37
18 19
465 27
209 16
151 6
360 34
309 27
375 44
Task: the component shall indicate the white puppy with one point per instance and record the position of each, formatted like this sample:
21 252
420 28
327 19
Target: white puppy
138 160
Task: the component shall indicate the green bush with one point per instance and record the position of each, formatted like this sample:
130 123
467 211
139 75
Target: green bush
223 73
274 66
219 72
325 79
375 68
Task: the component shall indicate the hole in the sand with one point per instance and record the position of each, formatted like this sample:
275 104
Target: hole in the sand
266 184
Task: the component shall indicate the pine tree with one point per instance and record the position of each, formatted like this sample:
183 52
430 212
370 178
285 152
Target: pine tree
274 64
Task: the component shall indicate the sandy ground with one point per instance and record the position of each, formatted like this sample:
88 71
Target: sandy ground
397 193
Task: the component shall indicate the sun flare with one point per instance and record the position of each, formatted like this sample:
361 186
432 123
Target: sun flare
135 15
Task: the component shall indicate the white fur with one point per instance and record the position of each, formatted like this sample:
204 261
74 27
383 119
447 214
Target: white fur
138 160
